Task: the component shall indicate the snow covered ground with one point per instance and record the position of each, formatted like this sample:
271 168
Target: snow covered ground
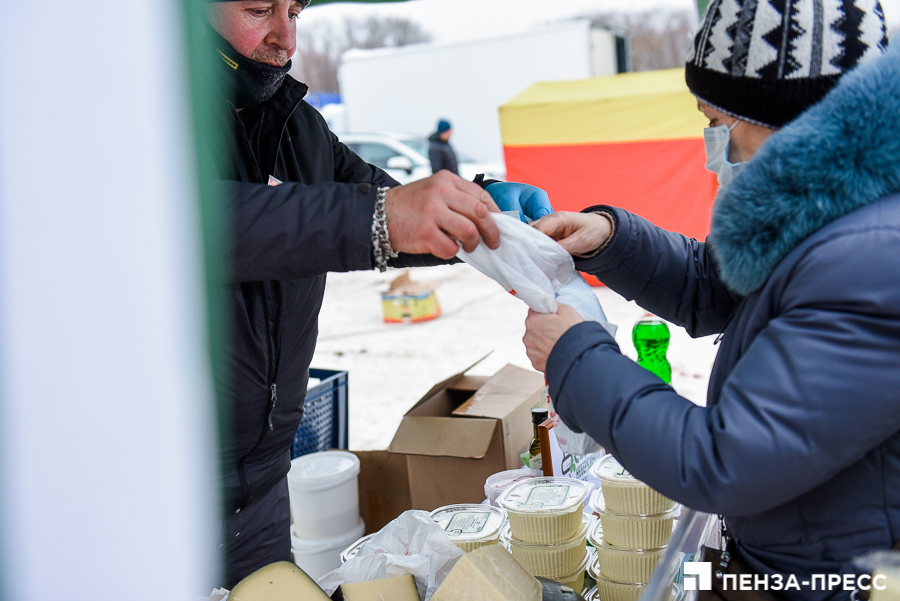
391 366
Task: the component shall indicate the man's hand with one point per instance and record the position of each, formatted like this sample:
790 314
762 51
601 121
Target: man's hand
543 331
431 215
529 201
578 233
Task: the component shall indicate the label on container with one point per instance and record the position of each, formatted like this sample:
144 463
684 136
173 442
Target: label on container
467 522
608 468
551 495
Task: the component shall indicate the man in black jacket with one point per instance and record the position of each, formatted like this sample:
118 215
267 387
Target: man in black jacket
324 209
440 153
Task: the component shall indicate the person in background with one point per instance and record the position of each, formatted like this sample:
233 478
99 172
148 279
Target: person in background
799 443
299 204
440 153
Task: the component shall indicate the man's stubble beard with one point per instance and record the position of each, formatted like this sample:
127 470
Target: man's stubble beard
270 55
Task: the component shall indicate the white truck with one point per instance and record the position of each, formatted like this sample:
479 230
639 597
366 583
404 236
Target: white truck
409 89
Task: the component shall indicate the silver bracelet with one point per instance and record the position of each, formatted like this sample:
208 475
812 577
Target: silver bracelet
381 239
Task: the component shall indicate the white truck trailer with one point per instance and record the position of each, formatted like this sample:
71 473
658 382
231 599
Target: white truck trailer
408 89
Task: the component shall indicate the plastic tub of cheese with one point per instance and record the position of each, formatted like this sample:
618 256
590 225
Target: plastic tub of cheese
575 579
626 494
624 565
628 565
610 590
470 526
547 560
545 510
497 483
676 594
633 531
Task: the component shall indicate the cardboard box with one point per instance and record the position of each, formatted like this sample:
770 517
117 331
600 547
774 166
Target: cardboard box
465 429
383 488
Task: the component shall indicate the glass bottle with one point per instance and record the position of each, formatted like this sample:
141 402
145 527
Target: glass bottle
538 417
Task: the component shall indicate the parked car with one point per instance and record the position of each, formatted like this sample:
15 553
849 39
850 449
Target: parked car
405 157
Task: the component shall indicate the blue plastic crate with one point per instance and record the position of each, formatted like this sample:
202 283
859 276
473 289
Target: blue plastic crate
324 423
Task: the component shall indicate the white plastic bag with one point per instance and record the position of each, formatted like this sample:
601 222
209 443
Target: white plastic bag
535 268
411 544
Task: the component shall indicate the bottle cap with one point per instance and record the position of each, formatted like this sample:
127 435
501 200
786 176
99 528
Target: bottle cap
539 416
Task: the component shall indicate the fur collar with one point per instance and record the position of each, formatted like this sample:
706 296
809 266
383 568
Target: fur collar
840 155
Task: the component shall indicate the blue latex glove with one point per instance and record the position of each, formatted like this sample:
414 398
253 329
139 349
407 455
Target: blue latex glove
531 203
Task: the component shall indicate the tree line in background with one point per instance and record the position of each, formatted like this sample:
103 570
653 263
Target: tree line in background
319 48
659 40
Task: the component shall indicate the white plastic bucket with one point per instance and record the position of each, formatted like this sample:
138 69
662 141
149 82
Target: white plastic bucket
497 483
318 557
324 495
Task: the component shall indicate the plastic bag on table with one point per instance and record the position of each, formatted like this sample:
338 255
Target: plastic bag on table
411 544
535 268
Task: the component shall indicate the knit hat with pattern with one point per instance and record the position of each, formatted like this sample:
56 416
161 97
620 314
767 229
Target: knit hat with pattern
767 61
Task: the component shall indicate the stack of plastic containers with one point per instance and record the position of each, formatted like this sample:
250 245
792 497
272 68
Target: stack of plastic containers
470 526
548 529
324 508
635 526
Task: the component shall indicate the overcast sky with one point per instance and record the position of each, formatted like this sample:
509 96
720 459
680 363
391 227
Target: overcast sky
455 20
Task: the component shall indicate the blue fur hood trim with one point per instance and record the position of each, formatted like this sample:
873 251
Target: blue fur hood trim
840 155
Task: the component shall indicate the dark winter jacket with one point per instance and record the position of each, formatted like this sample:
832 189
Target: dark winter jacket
441 155
799 445
282 241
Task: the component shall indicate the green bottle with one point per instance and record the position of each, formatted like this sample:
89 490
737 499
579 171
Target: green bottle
651 339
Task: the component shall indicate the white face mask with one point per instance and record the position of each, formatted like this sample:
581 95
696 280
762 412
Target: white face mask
716 139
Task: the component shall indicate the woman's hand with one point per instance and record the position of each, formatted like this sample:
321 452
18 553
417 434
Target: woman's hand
578 233
543 331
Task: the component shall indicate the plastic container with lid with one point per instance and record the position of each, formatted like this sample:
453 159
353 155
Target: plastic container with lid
626 494
545 510
548 560
575 579
470 526
353 550
497 483
633 531
594 595
628 565
624 565
324 495
610 590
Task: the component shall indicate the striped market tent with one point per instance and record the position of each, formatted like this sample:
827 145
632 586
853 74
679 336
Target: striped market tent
633 140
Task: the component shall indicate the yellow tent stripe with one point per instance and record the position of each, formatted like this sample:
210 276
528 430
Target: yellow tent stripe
655 105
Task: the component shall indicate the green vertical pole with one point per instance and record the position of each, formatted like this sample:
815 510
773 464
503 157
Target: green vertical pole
206 137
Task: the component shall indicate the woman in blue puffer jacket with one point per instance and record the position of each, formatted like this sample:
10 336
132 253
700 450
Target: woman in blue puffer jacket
799 444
